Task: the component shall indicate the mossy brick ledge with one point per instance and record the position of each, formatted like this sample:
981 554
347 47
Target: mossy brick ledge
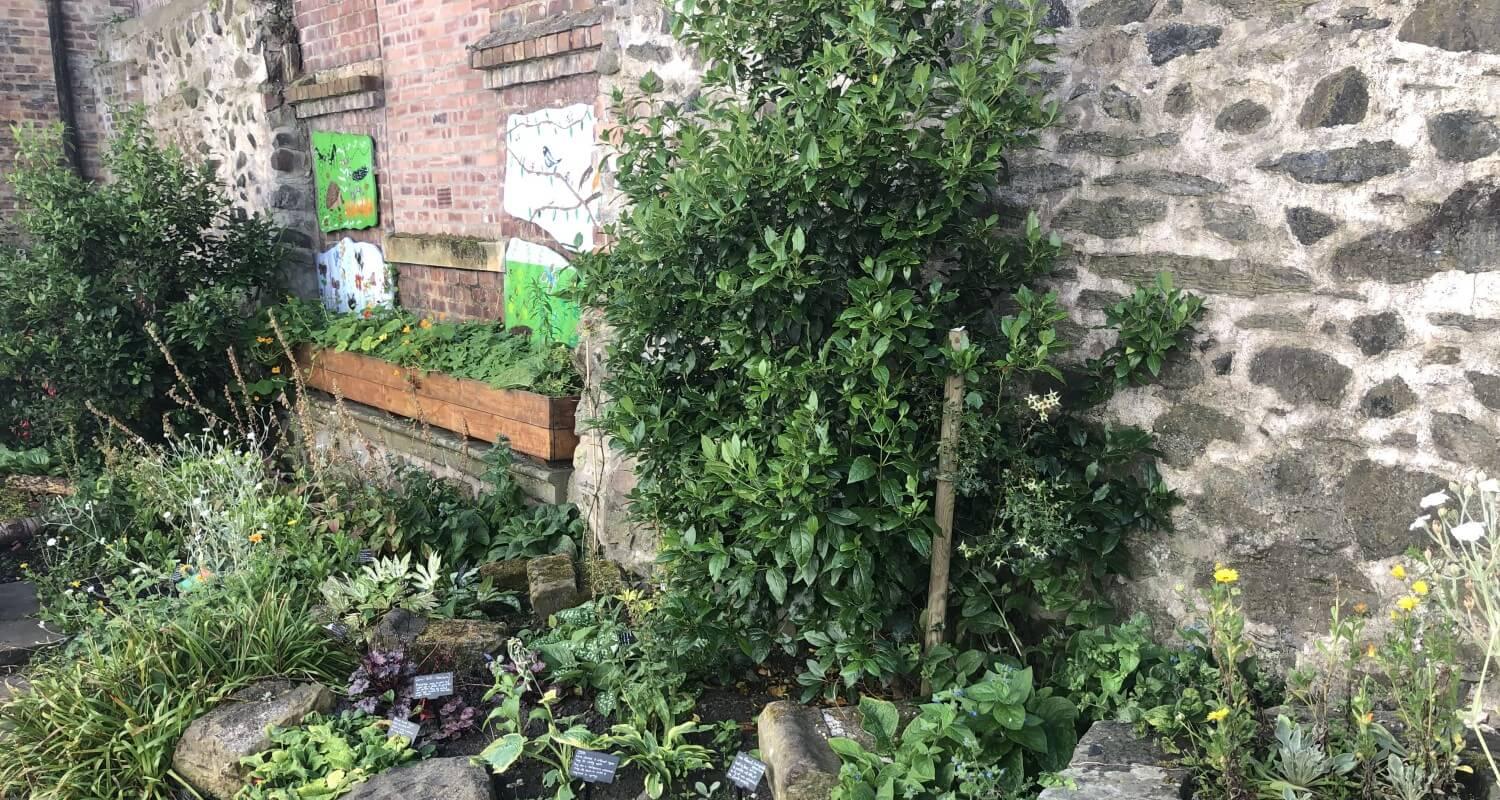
450 252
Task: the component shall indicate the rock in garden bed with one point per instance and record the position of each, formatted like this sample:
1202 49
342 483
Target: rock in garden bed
507 576
457 644
1112 762
800 765
553 583
446 778
209 752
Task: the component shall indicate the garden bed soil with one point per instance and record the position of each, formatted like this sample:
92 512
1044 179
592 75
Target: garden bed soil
536 425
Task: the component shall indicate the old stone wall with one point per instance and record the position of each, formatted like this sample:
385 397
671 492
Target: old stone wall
211 76
638 40
1326 174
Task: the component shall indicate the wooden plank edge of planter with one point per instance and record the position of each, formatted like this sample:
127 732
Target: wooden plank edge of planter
535 424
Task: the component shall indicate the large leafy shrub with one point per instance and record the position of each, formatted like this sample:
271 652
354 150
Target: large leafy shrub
159 245
798 245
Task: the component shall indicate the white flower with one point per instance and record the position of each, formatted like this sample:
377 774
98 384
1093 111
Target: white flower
1419 523
1435 500
1469 532
52 542
1492 486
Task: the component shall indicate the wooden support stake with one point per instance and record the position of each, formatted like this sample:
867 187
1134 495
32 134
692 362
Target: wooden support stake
942 544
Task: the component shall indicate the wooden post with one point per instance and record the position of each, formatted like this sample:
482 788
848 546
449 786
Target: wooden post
942 544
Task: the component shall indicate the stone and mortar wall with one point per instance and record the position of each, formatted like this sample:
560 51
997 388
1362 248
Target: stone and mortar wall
638 40
1326 174
211 77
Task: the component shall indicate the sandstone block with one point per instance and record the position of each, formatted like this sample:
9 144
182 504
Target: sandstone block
554 584
209 752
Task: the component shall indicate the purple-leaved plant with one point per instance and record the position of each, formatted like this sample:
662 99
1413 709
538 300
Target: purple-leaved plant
382 685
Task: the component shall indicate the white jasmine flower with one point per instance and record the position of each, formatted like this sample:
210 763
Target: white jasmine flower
1420 523
52 542
1435 500
1491 486
1469 532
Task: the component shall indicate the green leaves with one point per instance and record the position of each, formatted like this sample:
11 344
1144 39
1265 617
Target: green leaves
958 743
504 752
881 719
807 230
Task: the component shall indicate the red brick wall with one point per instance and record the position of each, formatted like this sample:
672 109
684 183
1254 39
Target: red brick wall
439 135
337 32
27 90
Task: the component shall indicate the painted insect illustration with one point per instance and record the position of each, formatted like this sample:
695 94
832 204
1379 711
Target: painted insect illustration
344 172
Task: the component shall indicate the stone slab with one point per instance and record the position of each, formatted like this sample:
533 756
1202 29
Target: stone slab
380 434
1112 763
553 584
446 778
21 633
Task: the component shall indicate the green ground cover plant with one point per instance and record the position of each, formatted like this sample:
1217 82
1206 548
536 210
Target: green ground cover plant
325 757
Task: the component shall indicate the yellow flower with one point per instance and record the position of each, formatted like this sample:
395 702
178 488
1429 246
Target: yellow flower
257 537
275 370
1398 572
76 584
1370 650
1407 603
406 329
1218 715
1420 588
264 339
1361 607
1226 574
425 323
25 565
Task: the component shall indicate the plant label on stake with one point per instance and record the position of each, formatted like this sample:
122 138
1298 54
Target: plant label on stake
337 630
746 772
366 557
401 727
592 766
427 687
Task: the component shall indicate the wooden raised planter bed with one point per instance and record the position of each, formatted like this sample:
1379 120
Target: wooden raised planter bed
535 424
